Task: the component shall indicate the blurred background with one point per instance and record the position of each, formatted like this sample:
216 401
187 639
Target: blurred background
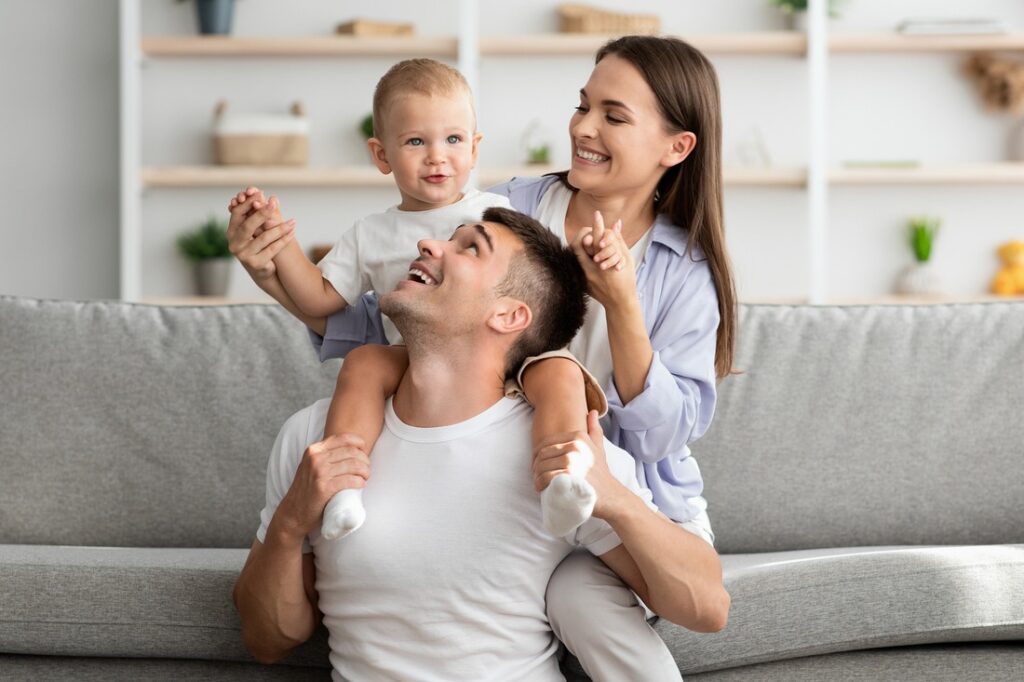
109 146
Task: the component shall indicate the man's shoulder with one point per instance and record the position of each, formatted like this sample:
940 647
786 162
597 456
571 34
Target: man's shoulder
306 425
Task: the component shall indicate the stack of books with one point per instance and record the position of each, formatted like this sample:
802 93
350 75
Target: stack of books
952 26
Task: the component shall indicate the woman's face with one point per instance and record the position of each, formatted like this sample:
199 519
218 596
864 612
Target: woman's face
619 139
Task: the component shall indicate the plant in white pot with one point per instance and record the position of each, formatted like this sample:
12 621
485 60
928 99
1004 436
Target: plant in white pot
921 278
207 248
795 12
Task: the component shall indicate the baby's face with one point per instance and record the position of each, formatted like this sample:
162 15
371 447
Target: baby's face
430 144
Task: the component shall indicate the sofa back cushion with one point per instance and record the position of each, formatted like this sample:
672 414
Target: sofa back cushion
869 425
136 425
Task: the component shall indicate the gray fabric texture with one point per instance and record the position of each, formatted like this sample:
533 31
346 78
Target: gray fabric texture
869 425
976 663
145 426
811 602
132 602
65 668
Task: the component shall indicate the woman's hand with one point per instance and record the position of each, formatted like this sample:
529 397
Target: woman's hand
606 261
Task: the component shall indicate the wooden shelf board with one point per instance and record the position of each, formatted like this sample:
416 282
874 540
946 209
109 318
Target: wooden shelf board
368 176
568 44
964 174
306 46
898 42
763 42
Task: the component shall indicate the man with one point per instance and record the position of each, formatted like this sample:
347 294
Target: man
447 576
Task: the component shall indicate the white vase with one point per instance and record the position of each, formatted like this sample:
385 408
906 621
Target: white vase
919 279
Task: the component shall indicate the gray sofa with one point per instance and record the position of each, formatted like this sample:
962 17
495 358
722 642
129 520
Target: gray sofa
865 475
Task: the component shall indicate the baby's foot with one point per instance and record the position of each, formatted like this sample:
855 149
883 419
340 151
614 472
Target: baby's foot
343 514
567 502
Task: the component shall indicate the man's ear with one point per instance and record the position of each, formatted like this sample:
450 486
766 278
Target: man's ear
510 316
682 144
380 159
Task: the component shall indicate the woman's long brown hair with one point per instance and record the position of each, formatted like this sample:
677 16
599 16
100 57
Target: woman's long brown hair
690 194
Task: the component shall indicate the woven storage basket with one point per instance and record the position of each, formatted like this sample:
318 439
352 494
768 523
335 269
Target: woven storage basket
261 139
584 19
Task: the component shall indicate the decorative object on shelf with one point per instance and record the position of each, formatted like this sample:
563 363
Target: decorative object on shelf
795 12
207 247
1009 281
366 27
920 279
1000 81
535 144
261 139
586 19
214 16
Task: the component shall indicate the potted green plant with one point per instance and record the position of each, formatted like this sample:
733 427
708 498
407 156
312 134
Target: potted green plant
795 12
206 247
920 278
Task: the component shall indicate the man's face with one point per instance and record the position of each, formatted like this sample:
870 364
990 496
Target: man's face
451 285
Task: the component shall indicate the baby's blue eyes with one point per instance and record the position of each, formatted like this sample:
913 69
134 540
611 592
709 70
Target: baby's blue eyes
419 142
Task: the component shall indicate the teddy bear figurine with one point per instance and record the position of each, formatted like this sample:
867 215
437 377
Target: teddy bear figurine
1009 281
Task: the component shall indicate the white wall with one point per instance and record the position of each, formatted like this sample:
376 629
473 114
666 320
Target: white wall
58 148
881 107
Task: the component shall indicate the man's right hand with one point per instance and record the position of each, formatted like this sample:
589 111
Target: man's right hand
336 463
256 232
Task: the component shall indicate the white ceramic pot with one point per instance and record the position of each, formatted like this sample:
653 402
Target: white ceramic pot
1015 142
919 279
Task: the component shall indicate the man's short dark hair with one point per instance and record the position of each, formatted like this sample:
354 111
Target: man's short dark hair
546 276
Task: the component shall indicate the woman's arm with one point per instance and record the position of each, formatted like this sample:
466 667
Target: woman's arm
663 391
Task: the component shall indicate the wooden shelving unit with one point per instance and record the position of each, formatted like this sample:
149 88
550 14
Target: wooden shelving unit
967 174
468 46
766 42
309 46
897 42
368 176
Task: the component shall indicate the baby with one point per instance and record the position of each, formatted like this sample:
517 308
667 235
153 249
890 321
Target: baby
425 135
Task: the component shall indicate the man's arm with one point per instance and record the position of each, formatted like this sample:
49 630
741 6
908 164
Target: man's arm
677 574
274 594
275 597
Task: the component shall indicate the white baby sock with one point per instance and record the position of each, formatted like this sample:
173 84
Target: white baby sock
343 514
567 502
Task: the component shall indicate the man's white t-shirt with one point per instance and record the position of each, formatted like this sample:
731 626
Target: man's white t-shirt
446 578
590 345
374 255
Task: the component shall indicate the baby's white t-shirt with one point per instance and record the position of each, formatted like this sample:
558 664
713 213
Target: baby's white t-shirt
374 255
446 578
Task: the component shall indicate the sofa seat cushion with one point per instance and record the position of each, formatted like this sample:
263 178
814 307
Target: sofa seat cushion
810 602
126 602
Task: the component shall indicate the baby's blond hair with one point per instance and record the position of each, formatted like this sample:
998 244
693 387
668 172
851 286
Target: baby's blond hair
420 76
